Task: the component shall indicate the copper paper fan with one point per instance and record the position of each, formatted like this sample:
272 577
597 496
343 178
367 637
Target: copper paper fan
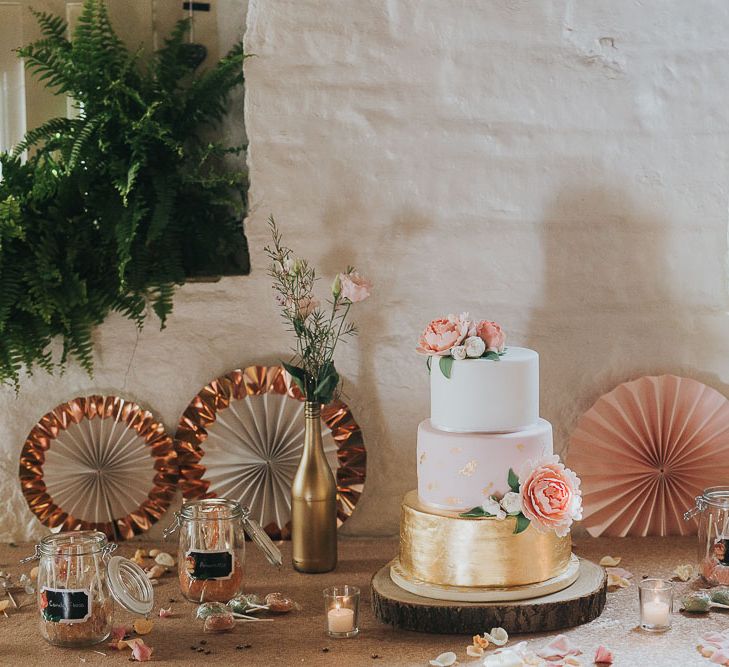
645 450
241 438
100 463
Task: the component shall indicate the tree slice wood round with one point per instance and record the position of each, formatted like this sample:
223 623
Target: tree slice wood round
581 602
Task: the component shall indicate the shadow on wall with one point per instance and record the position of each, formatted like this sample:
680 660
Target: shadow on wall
377 349
606 291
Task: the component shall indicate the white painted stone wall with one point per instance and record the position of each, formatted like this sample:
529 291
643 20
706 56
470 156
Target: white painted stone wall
559 166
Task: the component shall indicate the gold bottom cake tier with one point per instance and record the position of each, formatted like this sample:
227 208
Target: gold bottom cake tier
448 550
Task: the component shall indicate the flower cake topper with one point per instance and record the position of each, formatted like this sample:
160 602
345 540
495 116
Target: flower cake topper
458 337
544 494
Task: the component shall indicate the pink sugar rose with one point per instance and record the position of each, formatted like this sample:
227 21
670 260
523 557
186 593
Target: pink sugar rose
550 495
443 334
491 334
354 288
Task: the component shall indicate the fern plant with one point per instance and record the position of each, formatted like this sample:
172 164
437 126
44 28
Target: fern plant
115 207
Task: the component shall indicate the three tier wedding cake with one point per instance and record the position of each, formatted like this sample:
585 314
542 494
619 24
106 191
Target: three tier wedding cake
492 512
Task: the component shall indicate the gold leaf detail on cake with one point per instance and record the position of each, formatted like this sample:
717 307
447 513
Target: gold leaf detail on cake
486 491
469 468
454 501
520 447
422 458
456 450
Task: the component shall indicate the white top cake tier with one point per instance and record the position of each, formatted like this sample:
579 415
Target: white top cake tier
486 396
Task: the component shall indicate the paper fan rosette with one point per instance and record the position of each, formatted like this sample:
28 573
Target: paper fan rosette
645 450
99 463
242 436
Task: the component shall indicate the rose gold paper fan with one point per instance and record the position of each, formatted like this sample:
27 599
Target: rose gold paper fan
645 450
100 463
241 438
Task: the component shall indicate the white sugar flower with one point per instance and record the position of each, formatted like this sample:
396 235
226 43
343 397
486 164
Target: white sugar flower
475 347
511 502
458 352
491 506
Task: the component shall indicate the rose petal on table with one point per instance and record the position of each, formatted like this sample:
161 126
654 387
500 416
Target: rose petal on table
620 572
166 613
603 656
684 572
4 604
140 651
610 561
480 641
614 581
474 651
720 656
505 658
559 647
143 626
444 660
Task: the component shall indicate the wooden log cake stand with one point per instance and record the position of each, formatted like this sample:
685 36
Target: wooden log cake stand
579 603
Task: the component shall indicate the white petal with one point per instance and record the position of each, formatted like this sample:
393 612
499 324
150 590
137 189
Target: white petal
498 636
610 561
474 651
444 660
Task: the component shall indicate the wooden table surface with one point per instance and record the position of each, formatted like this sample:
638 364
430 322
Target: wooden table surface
300 639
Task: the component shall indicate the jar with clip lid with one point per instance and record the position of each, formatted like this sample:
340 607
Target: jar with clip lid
712 513
78 582
211 548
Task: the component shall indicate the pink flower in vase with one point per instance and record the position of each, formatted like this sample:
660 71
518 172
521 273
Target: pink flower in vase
491 334
353 287
443 334
550 495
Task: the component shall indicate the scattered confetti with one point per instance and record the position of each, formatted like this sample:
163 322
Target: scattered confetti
610 561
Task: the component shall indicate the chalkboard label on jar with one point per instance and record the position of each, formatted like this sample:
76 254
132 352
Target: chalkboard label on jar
209 564
65 605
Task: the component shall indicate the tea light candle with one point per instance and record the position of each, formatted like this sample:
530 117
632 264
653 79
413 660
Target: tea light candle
341 605
340 620
656 613
656 604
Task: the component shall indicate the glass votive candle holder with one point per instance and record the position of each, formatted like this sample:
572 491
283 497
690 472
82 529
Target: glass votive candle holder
341 606
656 604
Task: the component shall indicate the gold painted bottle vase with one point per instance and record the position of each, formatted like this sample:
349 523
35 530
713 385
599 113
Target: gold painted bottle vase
314 502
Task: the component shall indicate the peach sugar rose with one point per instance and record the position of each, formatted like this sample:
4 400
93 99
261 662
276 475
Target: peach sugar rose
550 495
443 334
491 334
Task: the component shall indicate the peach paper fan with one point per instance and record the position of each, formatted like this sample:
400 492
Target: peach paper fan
645 450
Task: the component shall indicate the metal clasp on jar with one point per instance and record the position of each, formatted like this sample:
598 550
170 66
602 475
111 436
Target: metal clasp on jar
173 527
697 509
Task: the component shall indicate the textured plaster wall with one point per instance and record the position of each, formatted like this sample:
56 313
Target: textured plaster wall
559 166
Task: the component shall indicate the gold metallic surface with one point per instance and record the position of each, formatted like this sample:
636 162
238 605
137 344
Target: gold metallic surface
237 385
313 503
445 549
162 459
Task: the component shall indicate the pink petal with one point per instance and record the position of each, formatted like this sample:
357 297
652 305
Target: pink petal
603 656
619 571
166 613
118 633
721 657
559 647
140 651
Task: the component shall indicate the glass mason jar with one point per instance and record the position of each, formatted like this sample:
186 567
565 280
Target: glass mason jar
712 513
78 581
211 551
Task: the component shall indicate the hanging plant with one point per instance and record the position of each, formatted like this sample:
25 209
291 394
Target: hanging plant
115 207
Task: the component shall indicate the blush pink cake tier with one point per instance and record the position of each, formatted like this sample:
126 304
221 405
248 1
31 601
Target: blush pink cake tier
457 471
